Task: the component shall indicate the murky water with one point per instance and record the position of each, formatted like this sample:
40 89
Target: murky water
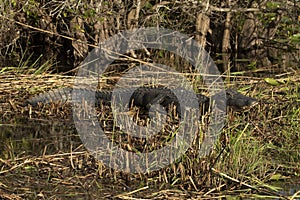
288 187
37 137
27 137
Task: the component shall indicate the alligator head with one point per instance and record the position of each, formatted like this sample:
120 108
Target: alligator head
239 101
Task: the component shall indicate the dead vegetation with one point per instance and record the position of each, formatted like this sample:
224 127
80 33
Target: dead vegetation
43 156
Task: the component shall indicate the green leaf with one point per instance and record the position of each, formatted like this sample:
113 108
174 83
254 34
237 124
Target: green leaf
273 5
277 177
272 81
295 38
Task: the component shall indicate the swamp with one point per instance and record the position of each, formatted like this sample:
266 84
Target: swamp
65 54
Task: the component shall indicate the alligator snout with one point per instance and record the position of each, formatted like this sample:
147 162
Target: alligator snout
239 101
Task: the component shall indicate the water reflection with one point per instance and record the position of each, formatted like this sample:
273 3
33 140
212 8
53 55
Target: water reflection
288 187
36 137
29 137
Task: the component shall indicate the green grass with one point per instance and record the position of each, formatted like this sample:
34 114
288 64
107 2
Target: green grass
27 66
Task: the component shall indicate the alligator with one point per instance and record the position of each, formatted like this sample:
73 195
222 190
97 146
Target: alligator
145 97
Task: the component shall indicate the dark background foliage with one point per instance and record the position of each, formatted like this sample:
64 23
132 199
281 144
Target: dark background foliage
240 35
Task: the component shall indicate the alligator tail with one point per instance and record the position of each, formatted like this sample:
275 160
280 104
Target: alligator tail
64 95
57 95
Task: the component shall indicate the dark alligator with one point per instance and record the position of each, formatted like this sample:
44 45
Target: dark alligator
144 97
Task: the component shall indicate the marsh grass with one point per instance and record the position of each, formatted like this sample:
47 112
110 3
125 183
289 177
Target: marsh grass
45 158
26 66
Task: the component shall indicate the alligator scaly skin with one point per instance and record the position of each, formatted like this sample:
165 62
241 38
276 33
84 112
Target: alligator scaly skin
64 95
143 96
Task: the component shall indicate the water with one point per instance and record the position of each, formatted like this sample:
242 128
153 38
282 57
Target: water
25 137
289 187
36 137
